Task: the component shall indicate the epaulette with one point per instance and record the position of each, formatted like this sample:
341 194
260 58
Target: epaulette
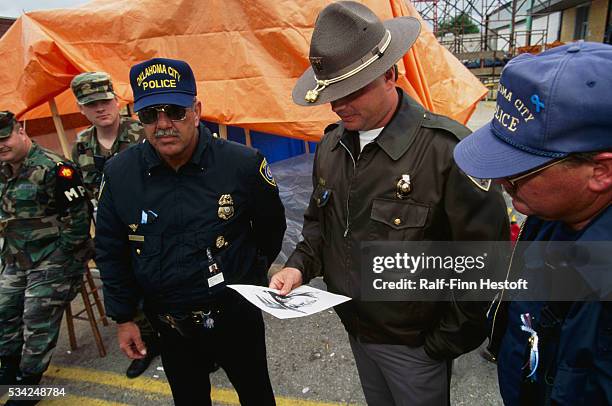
133 130
433 120
55 158
44 158
331 127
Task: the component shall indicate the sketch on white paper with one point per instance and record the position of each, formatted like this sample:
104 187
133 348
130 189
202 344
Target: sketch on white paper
300 302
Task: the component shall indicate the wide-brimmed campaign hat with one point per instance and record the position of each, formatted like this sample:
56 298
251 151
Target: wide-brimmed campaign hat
350 48
548 106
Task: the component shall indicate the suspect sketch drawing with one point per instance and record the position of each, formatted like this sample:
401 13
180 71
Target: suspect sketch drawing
293 301
300 302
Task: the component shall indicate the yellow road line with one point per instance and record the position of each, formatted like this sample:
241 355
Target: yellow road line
75 400
149 385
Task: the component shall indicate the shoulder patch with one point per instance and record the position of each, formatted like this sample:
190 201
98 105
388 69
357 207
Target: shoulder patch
266 172
65 171
483 184
69 187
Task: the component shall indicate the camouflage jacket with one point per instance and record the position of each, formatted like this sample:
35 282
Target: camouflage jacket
44 213
88 157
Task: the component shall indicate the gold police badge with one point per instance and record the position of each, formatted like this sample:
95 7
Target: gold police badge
403 187
226 207
226 200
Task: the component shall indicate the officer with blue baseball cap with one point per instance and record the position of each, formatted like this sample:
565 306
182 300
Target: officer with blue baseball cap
162 81
181 216
550 146
548 107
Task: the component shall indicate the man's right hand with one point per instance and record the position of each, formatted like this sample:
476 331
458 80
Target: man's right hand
286 280
130 342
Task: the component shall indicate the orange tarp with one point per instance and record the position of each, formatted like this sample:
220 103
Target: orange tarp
246 56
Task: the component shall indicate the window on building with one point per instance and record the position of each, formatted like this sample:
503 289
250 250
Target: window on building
582 22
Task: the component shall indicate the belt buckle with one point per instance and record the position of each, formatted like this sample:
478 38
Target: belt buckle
202 318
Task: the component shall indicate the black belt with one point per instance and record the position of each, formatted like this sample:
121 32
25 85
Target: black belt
188 324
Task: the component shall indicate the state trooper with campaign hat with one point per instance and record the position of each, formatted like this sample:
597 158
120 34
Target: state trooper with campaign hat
550 146
385 172
181 216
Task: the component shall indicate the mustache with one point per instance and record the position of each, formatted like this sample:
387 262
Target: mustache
166 133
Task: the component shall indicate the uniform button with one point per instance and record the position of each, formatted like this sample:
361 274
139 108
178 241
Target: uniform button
138 251
220 242
397 221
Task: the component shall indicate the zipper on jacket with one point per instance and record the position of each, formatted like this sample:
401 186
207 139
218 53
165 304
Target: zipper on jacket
346 230
501 296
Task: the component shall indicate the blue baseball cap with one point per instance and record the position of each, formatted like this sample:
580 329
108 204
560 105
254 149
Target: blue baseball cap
548 106
162 81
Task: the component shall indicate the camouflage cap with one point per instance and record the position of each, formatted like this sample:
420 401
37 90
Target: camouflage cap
7 120
92 86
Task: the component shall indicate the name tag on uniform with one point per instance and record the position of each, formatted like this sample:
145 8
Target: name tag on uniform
215 280
135 237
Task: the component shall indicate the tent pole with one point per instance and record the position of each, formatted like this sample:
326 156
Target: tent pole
306 147
59 128
223 131
247 137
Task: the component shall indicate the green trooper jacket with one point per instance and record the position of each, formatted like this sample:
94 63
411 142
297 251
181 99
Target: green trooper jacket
88 157
44 213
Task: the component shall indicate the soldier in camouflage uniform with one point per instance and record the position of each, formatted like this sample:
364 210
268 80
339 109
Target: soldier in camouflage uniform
108 135
44 222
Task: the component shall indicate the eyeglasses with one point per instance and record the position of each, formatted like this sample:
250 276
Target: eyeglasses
513 180
150 115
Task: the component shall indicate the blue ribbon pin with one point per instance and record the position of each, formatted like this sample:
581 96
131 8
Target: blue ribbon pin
535 99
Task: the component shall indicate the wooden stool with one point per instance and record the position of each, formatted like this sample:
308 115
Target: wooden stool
88 288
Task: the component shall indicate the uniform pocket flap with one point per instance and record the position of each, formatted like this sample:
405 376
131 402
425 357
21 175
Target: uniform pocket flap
146 245
26 191
399 215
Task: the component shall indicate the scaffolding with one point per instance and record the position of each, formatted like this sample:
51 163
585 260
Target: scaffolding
484 34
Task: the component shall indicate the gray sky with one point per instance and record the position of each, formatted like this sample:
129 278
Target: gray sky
12 8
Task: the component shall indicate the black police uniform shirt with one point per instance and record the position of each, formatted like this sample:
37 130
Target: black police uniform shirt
155 225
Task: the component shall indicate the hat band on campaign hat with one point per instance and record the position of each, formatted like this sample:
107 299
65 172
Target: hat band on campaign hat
313 94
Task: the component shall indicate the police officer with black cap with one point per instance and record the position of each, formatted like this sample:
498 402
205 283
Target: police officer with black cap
180 217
